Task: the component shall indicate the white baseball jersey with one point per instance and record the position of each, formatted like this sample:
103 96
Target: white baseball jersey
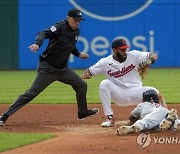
151 115
123 74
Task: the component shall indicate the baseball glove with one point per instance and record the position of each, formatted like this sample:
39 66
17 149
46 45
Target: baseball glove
143 69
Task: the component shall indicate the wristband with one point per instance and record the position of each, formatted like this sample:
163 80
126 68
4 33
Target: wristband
150 60
133 119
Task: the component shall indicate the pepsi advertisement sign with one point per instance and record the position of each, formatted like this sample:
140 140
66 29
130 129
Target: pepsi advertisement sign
111 10
146 25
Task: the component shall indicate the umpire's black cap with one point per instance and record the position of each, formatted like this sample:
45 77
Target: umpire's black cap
119 43
76 14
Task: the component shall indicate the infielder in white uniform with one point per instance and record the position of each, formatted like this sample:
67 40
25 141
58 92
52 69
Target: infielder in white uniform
123 84
150 115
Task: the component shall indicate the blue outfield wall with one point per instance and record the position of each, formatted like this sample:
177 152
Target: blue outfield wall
147 25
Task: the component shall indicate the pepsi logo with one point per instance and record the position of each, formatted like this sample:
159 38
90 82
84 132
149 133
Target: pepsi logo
111 10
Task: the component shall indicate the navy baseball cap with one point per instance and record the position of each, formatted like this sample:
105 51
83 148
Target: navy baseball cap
76 14
119 43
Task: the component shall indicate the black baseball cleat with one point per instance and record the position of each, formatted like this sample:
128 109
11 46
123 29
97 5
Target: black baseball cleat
91 112
3 119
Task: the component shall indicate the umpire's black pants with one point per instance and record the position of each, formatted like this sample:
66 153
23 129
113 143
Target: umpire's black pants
46 74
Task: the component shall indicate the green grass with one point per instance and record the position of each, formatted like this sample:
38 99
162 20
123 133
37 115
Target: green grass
13 83
167 81
17 82
10 141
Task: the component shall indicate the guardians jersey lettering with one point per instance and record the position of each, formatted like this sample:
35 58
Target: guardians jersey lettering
124 71
125 74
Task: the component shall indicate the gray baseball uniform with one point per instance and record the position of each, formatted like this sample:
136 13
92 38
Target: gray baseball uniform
151 115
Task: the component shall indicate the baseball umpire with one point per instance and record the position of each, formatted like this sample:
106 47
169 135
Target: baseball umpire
53 65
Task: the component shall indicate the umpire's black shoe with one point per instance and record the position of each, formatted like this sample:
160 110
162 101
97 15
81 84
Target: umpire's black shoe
91 112
3 119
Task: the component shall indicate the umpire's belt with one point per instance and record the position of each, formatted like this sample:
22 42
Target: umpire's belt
41 59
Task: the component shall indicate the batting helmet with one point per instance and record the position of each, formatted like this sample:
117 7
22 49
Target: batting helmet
150 96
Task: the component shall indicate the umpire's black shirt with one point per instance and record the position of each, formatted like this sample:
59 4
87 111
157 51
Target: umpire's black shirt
62 42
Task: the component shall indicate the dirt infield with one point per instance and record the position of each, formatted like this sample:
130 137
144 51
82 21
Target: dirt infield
76 137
